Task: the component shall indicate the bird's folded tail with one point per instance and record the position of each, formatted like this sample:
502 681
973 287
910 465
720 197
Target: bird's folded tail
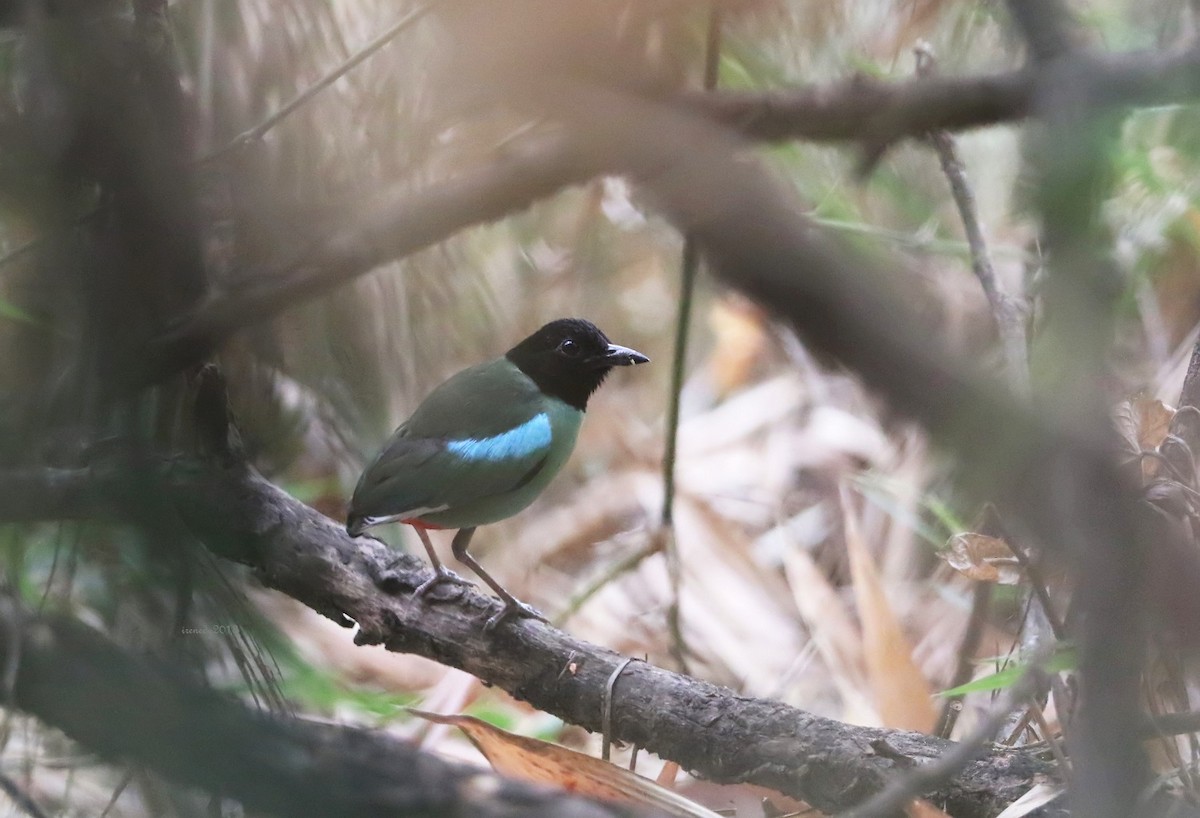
356 524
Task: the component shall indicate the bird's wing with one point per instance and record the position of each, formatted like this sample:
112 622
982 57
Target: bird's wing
481 401
415 475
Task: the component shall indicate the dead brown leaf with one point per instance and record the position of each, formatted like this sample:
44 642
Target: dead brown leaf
920 808
741 342
541 762
982 558
1144 423
1154 419
834 632
901 690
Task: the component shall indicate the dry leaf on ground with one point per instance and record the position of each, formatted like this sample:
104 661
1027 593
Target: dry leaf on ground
982 558
901 690
920 808
544 763
1144 423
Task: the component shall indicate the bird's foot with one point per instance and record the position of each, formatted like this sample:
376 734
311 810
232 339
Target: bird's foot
513 608
441 577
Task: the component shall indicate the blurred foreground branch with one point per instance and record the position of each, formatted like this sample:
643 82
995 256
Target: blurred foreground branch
879 114
1072 155
400 221
394 224
130 709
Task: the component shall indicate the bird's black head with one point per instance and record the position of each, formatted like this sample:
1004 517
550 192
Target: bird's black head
569 358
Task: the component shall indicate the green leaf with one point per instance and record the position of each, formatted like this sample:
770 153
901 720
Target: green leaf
12 312
1064 658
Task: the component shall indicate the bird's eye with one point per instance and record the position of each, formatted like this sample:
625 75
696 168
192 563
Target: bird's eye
569 348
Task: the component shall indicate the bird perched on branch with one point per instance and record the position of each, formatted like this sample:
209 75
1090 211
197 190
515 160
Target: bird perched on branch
486 442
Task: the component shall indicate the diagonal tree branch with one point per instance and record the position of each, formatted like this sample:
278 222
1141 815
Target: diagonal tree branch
707 729
878 114
863 107
400 222
394 224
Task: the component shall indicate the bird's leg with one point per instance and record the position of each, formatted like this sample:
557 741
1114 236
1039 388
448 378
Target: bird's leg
441 575
512 605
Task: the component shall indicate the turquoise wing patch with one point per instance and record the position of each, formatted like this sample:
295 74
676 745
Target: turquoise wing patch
530 438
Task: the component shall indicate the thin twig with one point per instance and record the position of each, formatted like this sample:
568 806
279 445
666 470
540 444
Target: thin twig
259 130
23 800
1053 741
116 796
690 265
1171 724
1038 584
682 321
1006 311
1177 686
623 566
606 716
1021 725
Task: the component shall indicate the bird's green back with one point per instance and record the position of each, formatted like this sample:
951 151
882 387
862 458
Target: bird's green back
481 401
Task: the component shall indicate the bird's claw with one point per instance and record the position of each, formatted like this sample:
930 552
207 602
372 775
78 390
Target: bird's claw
510 609
442 577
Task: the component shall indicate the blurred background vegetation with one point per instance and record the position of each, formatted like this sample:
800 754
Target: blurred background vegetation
781 459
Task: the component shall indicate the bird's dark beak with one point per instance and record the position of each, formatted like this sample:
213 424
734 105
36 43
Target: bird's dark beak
617 355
